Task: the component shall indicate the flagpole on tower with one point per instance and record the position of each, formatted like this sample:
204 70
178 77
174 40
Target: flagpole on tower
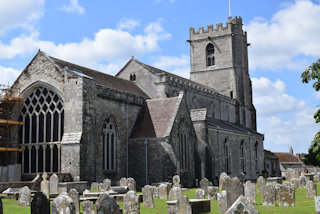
229 8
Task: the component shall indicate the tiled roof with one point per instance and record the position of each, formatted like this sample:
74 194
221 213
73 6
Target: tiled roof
103 78
286 157
155 118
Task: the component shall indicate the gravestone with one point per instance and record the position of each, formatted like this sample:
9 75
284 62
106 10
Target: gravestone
147 192
106 184
250 192
175 193
54 184
311 189
1 208
63 204
222 201
241 176
261 182
212 192
155 192
176 181
316 177
234 189
106 204
302 181
204 183
123 181
101 187
24 196
277 187
286 195
222 178
163 191
44 185
95 186
295 182
200 194
183 205
74 195
269 195
131 183
240 206
88 207
40 204
317 204
131 203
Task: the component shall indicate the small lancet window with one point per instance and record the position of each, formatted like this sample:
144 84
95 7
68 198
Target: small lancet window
210 54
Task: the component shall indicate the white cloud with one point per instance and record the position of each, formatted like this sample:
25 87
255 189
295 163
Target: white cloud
20 13
8 75
128 24
280 42
73 7
316 95
176 65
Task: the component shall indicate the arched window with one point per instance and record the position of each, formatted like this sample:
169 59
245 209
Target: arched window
226 156
43 116
184 146
242 162
195 104
212 107
109 145
132 77
210 54
256 155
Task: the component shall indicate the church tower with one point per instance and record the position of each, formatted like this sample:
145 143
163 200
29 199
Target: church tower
219 59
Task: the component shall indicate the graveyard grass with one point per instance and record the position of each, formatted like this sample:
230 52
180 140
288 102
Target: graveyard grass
303 205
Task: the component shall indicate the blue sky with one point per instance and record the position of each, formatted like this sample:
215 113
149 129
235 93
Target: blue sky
104 34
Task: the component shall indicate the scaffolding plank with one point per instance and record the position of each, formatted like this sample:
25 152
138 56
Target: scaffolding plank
10 122
7 149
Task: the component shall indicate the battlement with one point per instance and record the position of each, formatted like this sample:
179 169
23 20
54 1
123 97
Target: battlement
219 26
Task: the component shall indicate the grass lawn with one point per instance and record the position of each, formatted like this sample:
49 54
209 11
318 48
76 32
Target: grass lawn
303 205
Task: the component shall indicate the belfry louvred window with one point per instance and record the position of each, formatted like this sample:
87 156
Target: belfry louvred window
210 55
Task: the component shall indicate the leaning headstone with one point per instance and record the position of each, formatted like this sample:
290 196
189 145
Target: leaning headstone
1 208
204 183
147 191
131 183
250 192
212 192
94 186
101 187
155 192
131 203
295 182
40 204
106 204
241 207
222 178
74 195
44 185
222 201
88 207
317 204
123 181
163 191
200 194
311 189
234 189
269 195
63 204
24 196
286 195
176 181
106 184
303 181
54 184
183 205
175 193
261 182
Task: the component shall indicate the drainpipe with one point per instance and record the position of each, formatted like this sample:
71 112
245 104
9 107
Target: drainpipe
127 143
250 147
146 147
218 141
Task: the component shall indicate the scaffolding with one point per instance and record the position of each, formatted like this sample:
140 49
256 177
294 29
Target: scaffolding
10 103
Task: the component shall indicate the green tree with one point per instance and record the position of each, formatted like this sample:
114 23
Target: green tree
312 73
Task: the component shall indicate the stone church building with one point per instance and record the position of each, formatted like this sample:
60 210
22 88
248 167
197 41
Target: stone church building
144 122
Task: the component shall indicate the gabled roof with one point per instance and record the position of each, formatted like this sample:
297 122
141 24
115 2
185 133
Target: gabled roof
102 78
156 118
286 157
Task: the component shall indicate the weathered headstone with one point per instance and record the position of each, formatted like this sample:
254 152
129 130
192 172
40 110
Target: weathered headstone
240 206
1 208
241 176
63 204
44 185
212 192
234 189
317 204
88 207
269 195
123 181
295 182
261 182
291 173
286 195
147 191
101 187
222 178
40 204
250 192
222 201
302 181
131 203
106 204
95 186
155 192
74 195
277 187
200 194
106 184
175 193
54 184
163 191
176 181
24 196
131 183
204 183
311 189
183 205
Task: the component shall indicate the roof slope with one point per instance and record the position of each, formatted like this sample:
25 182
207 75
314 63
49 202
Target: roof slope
286 157
156 118
103 78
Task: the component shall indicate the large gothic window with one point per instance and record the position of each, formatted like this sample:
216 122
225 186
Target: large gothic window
242 160
184 146
43 116
226 156
109 145
210 54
